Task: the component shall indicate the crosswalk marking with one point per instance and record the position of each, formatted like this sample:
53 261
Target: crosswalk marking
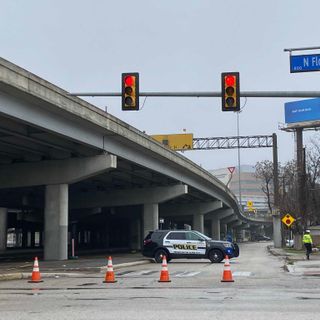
186 274
242 274
142 273
178 274
122 273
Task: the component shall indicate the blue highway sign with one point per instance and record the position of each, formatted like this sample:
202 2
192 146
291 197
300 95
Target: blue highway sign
305 63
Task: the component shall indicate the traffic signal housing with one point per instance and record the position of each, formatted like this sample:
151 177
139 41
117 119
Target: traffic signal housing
130 91
230 91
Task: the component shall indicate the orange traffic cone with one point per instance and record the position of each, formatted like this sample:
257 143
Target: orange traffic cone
227 275
164 275
109 278
35 276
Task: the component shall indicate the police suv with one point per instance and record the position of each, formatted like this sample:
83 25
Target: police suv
175 244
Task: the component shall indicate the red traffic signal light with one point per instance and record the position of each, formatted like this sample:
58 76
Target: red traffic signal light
230 91
130 91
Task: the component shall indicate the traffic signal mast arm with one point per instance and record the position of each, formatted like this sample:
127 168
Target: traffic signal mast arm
217 94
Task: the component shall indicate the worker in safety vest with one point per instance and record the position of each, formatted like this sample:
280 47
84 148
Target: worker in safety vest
307 241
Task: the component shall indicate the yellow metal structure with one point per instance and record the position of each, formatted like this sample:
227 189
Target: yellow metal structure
177 142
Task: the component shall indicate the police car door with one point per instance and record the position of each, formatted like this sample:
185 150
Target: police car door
175 242
195 242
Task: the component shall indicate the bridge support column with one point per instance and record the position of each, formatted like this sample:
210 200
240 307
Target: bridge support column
196 210
234 233
135 235
198 222
3 228
277 231
56 222
150 217
215 219
215 229
224 230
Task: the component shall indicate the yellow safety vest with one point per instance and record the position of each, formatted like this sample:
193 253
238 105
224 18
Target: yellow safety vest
307 238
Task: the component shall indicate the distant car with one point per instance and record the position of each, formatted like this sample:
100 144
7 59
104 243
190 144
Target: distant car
177 244
290 243
260 237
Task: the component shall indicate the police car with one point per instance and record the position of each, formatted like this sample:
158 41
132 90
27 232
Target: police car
175 244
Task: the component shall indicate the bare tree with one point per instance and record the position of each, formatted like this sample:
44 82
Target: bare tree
288 189
312 181
264 171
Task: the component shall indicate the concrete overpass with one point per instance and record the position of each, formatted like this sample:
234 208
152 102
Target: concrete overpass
70 170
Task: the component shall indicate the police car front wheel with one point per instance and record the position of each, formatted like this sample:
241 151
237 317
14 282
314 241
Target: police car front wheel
215 256
159 254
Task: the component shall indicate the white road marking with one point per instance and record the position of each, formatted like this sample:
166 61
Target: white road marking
141 273
242 274
186 274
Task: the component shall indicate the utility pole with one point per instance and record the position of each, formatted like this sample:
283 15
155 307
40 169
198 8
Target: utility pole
276 217
275 170
301 175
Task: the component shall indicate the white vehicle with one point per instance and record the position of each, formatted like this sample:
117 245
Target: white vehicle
290 243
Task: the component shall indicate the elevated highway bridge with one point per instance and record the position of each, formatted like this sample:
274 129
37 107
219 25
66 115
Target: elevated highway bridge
70 170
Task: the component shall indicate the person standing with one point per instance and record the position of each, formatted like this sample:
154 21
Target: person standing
307 241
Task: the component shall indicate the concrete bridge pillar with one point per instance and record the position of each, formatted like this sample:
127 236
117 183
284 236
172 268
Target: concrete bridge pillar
135 234
215 229
198 222
196 210
150 217
277 231
3 228
216 218
56 222
224 230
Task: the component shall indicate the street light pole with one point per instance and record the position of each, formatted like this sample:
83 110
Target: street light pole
239 174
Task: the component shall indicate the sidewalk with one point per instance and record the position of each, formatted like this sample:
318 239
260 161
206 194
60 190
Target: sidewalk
72 268
296 263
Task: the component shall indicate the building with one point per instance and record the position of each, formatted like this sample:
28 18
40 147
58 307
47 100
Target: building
248 188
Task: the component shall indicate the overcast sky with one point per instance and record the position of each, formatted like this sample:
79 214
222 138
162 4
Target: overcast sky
175 45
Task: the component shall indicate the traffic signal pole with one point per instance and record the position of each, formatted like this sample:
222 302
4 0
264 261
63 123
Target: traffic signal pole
195 94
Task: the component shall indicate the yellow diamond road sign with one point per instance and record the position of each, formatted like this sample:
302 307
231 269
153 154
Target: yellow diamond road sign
288 220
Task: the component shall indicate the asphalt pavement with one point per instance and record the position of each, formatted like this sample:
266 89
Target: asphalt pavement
294 263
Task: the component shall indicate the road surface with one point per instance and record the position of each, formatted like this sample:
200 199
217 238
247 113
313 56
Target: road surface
262 289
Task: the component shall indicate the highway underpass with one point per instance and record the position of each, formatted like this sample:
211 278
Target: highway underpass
69 170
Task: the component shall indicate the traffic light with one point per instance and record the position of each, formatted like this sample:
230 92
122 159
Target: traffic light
130 91
230 84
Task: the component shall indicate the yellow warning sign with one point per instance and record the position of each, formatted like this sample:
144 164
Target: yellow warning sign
249 203
176 142
288 220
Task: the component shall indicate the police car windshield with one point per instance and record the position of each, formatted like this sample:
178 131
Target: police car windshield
202 235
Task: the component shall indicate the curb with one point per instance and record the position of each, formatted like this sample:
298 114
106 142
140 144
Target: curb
25 275
11 276
286 267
